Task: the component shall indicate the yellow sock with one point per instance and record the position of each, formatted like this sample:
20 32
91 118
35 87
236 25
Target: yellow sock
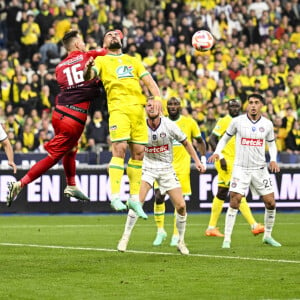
159 215
246 212
175 230
134 172
216 210
116 171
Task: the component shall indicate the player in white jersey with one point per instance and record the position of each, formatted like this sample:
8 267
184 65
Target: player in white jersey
157 166
252 131
6 145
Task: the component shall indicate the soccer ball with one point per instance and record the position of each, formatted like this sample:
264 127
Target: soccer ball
202 40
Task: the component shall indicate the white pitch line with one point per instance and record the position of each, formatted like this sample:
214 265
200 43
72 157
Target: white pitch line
109 225
149 252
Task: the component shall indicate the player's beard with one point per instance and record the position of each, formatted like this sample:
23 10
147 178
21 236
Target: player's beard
253 114
115 45
153 117
174 115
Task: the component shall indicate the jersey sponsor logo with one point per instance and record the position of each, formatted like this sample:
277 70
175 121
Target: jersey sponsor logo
252 142
158 149
124 71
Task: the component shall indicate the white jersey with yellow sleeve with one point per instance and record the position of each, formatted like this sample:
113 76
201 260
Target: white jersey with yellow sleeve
121 76
182 159
219 130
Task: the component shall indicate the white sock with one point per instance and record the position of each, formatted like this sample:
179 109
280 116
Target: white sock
269 222
134 197
130 222
181 224
229 223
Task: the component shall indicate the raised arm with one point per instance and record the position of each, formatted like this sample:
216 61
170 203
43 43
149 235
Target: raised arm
154 90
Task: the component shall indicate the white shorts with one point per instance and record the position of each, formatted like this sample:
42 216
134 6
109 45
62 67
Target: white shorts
259 181
166 179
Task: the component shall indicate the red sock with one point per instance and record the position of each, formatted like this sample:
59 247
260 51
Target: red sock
69 164
37 170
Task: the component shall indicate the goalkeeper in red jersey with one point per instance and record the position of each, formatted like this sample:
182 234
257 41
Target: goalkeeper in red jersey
69 115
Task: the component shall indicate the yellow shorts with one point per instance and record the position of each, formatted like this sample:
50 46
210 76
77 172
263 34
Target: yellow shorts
224 176
185 182
129 124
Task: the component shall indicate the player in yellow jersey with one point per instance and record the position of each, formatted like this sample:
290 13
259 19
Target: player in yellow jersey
182 167
121 75
224 168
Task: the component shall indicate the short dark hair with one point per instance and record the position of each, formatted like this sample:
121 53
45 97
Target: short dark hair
173 99
68 37
257 96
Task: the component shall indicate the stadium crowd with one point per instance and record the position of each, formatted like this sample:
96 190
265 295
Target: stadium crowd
257 49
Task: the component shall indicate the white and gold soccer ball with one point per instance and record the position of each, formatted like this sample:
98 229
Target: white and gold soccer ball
202 40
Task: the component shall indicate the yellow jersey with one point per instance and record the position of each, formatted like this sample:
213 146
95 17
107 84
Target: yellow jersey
219 130
121 76
181 158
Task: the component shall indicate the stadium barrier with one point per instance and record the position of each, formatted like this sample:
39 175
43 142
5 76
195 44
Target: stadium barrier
103 157
45 195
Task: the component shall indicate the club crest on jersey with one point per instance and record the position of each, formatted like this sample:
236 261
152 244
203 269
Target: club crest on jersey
163 134
261 129
253 129
124 72
113 127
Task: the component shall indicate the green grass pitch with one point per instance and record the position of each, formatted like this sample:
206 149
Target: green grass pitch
74 257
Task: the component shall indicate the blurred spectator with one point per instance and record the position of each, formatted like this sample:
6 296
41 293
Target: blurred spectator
30 37
45 21
289 119
27 70
40 139
258 6
11 125
29 99
28 138
101 12
82 20
48 50
96 31
20 116
13 24
97 133
280 133
46 126
292 140
18 147
132 51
